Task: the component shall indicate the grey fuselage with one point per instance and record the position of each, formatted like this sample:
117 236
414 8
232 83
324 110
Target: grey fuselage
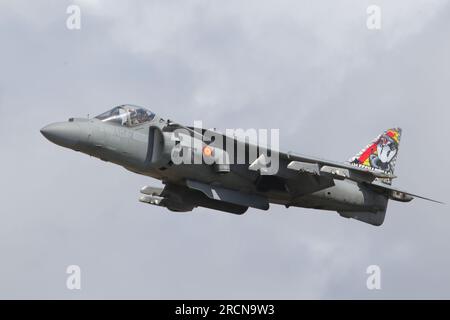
143 150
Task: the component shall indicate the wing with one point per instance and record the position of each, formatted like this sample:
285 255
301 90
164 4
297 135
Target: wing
348 170
303 174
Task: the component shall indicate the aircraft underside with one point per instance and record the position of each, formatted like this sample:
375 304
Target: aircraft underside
204 168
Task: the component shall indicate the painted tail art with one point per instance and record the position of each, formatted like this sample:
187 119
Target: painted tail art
381 153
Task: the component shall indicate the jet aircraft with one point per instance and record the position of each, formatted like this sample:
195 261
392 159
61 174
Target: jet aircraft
146 144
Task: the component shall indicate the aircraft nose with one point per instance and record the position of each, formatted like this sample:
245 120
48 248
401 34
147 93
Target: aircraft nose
65 134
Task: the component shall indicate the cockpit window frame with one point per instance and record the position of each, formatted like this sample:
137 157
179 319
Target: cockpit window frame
127 115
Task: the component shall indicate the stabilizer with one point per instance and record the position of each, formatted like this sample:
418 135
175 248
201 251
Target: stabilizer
381 153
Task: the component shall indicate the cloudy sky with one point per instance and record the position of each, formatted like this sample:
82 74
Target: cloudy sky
310 68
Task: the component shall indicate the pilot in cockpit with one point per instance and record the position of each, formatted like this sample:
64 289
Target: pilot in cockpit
127 116
141 116
124 116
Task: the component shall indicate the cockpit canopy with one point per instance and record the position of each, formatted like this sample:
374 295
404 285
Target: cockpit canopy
127 115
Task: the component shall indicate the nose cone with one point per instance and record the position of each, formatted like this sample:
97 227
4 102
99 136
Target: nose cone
65 134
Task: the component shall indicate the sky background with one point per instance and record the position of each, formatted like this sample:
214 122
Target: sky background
310 68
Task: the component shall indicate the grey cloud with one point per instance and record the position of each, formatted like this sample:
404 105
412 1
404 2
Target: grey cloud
312 70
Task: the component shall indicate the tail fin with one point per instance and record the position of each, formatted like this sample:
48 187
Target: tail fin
381 153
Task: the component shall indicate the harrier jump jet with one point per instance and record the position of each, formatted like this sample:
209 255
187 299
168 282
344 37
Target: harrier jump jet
144 143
